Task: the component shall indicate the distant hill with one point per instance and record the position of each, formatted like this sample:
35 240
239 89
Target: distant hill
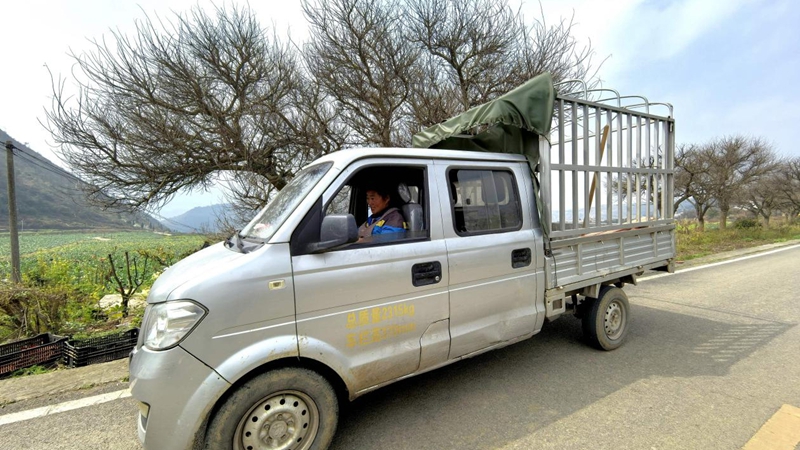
49 197
199 219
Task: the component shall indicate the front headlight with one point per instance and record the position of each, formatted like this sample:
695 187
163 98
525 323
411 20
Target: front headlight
166 324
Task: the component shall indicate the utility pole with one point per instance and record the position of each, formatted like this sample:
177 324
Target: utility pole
12 214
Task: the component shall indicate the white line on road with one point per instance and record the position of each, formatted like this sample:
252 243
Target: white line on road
62 407
692 269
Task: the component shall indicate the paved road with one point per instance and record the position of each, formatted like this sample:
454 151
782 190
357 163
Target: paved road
711 355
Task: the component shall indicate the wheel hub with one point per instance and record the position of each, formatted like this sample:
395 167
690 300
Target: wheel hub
277 430
280 422
614 320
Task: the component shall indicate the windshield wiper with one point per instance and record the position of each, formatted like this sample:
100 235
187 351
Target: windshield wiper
235 240
243 244
240 241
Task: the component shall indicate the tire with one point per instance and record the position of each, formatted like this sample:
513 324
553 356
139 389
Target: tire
286 409
605 323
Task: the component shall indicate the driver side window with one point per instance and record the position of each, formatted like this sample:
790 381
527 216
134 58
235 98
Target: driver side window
387 202
399 217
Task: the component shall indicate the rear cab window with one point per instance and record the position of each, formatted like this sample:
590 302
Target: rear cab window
484 201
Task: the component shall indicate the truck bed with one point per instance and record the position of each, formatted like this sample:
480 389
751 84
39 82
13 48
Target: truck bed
606 175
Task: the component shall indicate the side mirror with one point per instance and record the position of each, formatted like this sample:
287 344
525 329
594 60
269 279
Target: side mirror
336 230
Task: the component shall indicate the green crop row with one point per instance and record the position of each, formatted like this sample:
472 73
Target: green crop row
65 274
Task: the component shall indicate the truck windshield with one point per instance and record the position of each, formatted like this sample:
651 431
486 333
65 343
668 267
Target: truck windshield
264 225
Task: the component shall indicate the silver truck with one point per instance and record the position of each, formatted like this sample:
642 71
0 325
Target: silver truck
524 209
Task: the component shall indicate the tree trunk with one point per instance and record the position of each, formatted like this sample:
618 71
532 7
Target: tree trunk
701 223
723 218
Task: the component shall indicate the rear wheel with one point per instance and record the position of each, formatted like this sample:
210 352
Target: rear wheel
605 323
284 409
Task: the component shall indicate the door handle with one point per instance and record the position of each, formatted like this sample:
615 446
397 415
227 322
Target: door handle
426 273
520 257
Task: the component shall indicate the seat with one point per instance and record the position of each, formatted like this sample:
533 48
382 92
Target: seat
412 211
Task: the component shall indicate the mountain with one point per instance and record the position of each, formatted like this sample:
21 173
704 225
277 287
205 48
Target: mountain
49 197
199 219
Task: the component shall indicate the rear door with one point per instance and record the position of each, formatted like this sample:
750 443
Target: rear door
489 239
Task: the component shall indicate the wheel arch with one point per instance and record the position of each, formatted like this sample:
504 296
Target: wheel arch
336 381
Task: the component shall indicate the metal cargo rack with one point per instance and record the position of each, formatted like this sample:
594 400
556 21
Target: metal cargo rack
606 174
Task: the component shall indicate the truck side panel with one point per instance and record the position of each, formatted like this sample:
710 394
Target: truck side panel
585 259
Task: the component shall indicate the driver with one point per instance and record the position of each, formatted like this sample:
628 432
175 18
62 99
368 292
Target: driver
383 219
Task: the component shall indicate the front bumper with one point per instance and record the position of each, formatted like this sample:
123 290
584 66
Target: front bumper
179 390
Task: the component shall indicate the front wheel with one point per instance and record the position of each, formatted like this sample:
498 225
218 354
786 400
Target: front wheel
605 323
284 409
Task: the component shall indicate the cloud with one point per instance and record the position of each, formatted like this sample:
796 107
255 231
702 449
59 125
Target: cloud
746 117
637 31
653 32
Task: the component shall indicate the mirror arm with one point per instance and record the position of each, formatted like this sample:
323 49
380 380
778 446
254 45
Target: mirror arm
321 247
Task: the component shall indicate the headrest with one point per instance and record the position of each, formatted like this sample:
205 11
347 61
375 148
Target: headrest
404 192
495 189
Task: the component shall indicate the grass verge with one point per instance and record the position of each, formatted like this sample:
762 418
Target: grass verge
695 244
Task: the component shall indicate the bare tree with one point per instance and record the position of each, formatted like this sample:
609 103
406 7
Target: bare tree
358 56
733 163
183 104
476 50
788 187
762 195
553 48
684 179
469 45
692 181
317 131
172 106
133 273
645 188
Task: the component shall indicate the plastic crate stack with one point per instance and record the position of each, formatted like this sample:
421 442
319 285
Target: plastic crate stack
82 352
43 350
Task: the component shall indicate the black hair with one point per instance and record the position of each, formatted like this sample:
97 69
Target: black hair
382 190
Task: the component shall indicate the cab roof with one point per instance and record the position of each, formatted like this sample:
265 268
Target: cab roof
343 158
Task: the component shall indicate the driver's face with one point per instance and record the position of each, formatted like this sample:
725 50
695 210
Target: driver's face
376 202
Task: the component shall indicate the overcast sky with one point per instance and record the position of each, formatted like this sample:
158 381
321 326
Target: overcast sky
727 66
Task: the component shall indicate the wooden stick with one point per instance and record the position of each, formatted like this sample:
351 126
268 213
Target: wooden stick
594 179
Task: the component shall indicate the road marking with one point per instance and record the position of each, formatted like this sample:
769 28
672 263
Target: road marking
62 407
780 432
692 269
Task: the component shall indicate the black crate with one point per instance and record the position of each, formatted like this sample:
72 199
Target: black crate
43 350
82 352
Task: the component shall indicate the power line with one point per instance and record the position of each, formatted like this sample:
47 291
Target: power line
59 172
173 221
29 152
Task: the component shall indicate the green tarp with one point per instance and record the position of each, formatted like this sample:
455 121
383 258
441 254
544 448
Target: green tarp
511 123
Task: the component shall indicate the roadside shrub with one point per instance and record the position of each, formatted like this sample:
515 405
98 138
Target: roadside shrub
30 311
745 224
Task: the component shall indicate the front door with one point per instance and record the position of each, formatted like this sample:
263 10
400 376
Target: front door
364 308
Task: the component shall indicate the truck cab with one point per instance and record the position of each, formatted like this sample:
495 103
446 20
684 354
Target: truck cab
465 277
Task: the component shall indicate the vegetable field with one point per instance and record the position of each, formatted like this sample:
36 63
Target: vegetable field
64 275
82 249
